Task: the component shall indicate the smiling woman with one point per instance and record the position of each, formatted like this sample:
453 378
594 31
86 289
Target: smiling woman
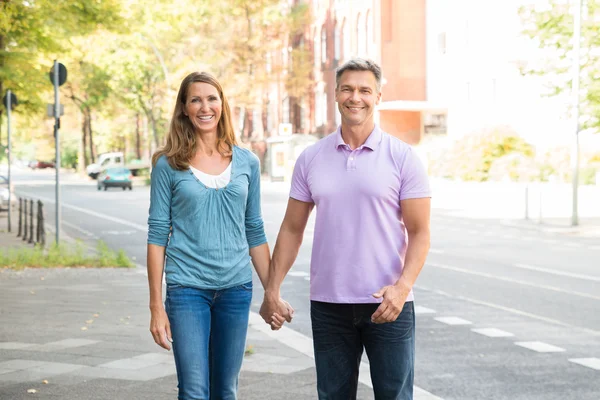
205 230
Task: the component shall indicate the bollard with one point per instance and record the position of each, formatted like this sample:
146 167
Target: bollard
20 217
42 231
31 222
25 219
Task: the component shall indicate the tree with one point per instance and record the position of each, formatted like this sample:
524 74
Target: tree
552 29
31 31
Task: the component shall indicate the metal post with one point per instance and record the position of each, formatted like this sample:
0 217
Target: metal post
57 146
41 224
39 215
25 220
30 221
575 94
8 109
20 217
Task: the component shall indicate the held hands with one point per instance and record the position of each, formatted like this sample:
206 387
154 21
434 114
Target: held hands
394 297
275 311
161 328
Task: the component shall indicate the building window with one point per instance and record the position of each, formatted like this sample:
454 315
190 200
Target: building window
361 36
347 40
286 111
316 39
442 42
368 35
337 44
323 45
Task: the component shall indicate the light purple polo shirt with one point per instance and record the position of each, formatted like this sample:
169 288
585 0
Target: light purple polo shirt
360 239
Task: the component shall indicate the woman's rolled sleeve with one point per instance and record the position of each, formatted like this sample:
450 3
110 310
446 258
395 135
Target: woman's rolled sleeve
159 219
255 230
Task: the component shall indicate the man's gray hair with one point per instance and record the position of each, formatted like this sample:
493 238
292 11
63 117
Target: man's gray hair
359 64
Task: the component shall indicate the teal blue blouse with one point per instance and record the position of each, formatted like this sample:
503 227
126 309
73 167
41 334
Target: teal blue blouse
207 232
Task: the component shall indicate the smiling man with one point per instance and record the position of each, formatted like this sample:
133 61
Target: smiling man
370 242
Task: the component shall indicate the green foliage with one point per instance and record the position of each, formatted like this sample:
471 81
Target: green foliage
471 157
552 29
32 33
63 255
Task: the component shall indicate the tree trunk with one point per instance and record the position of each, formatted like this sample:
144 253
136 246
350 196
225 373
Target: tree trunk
86 160
154 130
88 114
138 141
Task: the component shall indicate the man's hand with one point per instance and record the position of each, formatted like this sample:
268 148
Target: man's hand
276 311
394 297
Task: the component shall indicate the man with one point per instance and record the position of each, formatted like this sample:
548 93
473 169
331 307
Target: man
370 243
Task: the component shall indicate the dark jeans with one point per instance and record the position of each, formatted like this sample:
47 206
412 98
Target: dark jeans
209 339
342 331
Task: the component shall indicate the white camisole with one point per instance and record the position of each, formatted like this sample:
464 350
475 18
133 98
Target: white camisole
213 181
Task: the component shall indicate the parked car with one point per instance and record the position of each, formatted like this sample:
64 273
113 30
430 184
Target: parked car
4 191
41 164
115 177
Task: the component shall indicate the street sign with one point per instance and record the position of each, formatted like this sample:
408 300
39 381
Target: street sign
62 74
13 100
50 110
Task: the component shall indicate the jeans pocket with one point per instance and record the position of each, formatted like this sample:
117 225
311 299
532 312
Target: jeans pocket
246 286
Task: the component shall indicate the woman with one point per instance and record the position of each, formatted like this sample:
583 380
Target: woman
205 218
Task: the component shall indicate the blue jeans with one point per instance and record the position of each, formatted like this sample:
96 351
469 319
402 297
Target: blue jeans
209 339
342 331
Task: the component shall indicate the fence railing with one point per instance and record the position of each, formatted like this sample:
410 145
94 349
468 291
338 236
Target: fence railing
30 221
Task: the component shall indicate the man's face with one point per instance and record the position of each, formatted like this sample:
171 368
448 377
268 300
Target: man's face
357 96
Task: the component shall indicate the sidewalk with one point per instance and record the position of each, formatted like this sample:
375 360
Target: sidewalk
73 333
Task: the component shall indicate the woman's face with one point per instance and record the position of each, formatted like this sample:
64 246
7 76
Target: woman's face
203 107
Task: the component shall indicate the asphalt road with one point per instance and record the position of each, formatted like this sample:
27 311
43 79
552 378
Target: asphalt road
504 312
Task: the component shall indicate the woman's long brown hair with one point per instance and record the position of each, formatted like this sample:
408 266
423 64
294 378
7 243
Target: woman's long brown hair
182 139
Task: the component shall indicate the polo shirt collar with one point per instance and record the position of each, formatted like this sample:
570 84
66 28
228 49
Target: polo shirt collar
372 141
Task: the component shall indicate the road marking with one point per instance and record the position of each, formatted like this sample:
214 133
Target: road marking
572 244
540 347
303 344
499 278
307 278
560 273
453 321
142 228
436 251
595 247
492 332
423 310
298 273
593 363
510 310
87 233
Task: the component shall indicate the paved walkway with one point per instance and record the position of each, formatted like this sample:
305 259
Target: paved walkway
82 333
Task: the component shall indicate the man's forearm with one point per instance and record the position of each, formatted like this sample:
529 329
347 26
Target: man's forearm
285 253
156 260
416 254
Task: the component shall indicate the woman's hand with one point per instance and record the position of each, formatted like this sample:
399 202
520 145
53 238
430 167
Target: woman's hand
160 327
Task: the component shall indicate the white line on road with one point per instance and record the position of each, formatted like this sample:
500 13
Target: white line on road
510 310
423 310
492 332
298 273
560 273
453 321
86 233
142 228
540 347
524 283
303 344
593 363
